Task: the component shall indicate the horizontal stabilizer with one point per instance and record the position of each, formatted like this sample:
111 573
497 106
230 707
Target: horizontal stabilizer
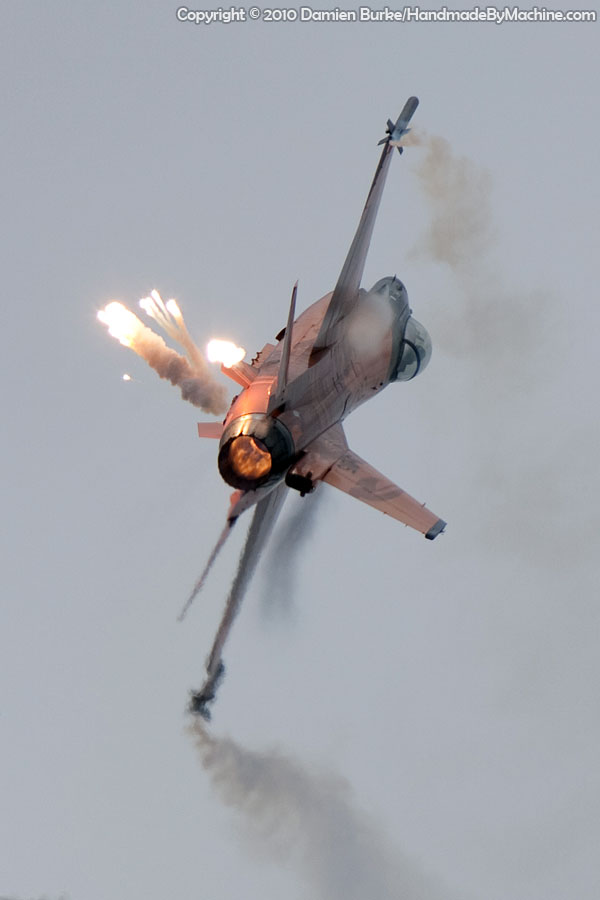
240 372
210 430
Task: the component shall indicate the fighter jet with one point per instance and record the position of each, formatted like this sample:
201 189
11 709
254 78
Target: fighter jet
284 430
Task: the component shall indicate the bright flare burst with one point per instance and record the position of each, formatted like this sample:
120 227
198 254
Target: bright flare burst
169 317
190 372
121 322
225 352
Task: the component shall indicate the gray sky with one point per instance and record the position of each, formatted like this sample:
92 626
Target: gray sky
452 687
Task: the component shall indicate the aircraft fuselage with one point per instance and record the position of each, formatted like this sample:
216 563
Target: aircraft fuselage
257 447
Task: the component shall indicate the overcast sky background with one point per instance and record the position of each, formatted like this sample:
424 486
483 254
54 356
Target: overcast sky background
453 685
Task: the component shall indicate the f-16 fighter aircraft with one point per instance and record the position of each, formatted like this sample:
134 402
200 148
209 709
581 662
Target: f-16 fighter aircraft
284 430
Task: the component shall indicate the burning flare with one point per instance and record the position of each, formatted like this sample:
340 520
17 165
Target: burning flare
122 323
190 372
224 352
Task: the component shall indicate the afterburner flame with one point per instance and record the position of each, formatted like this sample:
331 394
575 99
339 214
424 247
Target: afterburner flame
249 458
121 322
224 352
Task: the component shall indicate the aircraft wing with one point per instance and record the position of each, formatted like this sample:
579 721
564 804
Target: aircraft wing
348 284
356 477
329 459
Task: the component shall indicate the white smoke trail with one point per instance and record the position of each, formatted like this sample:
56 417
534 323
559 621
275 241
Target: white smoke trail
191 374
309 819
170 319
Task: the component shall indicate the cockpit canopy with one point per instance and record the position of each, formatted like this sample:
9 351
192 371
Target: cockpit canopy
413 347
416 351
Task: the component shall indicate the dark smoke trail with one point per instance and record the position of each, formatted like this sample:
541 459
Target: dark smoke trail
286 555
309 818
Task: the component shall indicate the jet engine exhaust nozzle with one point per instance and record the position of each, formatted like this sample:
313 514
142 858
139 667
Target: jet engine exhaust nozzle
254 450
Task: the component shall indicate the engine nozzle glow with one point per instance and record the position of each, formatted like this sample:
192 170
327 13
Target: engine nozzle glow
255 449
249 458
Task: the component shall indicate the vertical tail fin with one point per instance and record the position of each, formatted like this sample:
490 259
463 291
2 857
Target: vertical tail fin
278 395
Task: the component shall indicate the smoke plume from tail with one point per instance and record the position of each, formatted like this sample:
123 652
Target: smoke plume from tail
190 373
309 819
